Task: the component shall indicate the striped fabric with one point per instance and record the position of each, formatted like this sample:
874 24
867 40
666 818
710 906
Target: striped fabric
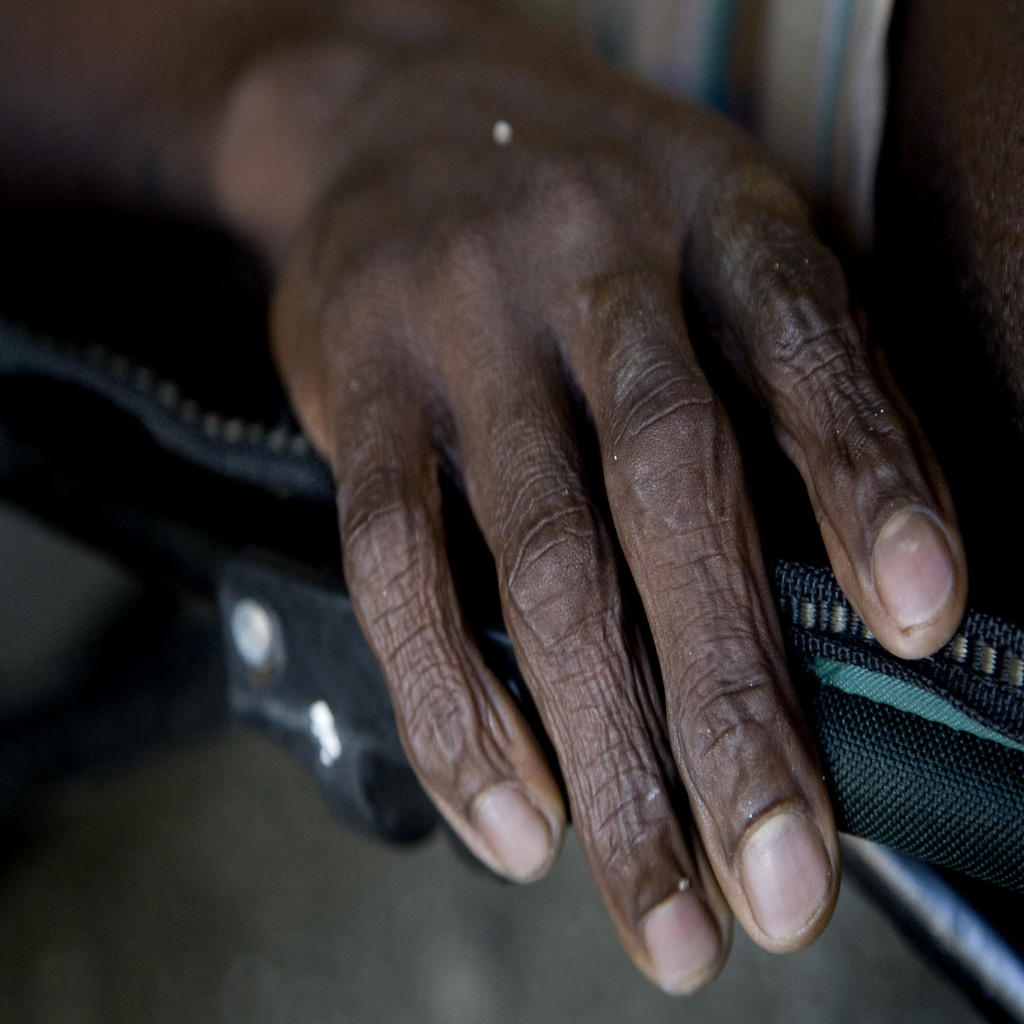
807 76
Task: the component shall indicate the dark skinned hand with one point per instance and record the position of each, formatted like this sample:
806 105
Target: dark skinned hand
496 237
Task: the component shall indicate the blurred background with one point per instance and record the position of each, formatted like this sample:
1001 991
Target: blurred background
208 883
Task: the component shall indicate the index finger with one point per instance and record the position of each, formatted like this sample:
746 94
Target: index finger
784 316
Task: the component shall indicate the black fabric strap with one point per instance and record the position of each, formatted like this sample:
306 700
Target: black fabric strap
948 795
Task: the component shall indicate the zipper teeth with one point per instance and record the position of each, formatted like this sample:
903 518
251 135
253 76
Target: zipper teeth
278 440
190 413
818 607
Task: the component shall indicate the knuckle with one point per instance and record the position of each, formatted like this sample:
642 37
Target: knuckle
565 186
727 722
648 389
757 258
574 212
631 301
625 815
802 332
801 366
449 726
554 570
557 198
663 411
852 434
673 456
390 555
376 517
794 282
441 722
817 376
865 437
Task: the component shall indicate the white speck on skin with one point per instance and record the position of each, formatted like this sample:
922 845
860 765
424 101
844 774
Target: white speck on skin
502 133
653 795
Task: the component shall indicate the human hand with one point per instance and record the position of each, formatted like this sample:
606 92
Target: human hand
504 306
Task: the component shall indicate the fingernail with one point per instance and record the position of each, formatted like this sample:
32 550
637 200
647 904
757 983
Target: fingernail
913 567
683 942
786 875
516 832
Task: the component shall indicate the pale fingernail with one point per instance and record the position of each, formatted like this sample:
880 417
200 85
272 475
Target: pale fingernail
517 833
683 942
786 875
913 567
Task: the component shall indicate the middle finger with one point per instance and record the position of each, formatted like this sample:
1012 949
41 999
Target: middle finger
683 517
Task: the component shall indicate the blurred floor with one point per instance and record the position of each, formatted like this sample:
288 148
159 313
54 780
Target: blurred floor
210 885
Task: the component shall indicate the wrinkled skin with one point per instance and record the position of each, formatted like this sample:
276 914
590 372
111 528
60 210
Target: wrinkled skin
509 313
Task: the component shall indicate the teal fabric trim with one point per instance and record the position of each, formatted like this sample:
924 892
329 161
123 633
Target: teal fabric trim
905 697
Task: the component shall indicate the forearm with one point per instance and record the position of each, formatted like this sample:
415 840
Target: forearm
247 111
139 102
